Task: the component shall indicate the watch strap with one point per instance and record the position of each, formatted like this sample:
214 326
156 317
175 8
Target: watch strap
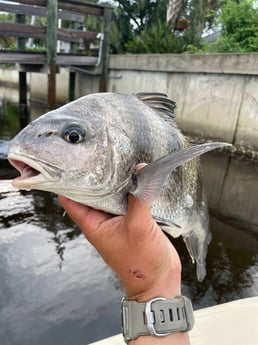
157 317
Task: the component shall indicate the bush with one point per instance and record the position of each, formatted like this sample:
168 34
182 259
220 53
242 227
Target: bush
239 28
156 39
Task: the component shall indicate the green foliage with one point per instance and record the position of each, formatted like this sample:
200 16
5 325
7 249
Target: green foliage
134 19
239 28
140 26
155 39
7 17
6 41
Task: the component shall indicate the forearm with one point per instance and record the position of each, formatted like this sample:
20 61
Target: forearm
167 287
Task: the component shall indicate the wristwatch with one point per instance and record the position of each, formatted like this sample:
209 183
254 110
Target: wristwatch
158 317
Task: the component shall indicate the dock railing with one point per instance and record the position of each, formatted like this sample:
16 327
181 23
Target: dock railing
46 24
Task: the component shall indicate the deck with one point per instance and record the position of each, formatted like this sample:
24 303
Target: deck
47 23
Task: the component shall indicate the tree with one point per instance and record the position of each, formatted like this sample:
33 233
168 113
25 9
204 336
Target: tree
239 22
239 28
133 18
141 26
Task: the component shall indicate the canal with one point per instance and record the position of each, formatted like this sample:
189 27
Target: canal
55 289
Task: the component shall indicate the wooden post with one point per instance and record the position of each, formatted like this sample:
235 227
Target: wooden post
72 74
51 50
71 86
74 45
105 49
23 105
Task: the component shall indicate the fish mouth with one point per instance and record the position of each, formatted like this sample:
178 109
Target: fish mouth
32 172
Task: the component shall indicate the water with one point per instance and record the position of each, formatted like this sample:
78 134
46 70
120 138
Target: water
55 289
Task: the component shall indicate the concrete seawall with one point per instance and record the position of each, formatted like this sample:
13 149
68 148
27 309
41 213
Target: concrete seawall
216 95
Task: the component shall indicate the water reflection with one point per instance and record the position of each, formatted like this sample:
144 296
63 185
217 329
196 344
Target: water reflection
56 289
232 189
53 283
231 266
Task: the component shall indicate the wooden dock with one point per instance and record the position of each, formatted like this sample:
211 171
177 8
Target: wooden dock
49 32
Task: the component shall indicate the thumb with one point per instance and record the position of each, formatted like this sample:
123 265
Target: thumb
137 208
138 220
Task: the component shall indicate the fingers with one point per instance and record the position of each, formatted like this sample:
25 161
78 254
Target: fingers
138 218
85 217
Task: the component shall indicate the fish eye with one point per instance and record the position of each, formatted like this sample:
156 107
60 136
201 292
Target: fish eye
74 134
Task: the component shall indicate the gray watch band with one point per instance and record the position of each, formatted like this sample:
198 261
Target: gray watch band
157 317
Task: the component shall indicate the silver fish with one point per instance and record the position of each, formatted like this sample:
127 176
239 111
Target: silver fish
87 151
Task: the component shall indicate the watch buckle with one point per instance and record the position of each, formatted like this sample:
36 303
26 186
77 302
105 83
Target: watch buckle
150 321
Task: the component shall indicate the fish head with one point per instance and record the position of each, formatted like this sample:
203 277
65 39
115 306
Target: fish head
66 153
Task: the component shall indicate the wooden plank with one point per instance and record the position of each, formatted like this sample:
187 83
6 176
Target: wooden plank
69 35
23 9
40 12
82 60
72 2
51 32
73 6
36 31
74 45
51 50
31 2
80 7
104 62
21 42
22 30
29 68
40 59
22 57
70 16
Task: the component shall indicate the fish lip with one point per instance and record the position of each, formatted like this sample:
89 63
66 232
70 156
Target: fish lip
46 172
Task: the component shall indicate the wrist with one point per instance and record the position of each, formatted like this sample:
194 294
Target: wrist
178 338
167 285
157 321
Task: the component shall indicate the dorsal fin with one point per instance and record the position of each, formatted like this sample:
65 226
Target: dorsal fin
159 102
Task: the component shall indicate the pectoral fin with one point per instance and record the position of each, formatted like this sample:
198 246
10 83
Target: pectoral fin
147 182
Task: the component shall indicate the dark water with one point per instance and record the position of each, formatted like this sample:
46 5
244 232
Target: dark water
54 287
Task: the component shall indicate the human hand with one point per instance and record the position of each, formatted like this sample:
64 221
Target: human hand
138 251
134 246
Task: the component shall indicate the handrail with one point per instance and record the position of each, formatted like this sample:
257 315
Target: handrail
73 11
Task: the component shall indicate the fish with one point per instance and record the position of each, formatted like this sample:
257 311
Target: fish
87 150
